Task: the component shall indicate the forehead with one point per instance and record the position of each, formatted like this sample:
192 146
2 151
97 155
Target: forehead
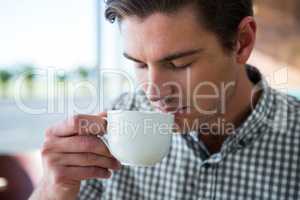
160 34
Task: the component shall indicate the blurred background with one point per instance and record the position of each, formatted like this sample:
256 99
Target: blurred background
51 53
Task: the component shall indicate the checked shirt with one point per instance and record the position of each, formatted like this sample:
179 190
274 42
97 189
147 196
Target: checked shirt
260 161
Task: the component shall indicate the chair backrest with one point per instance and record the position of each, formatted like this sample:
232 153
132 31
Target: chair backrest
16 184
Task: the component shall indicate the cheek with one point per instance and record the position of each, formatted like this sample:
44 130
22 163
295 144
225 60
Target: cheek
204 80
211 73
142 78
201 76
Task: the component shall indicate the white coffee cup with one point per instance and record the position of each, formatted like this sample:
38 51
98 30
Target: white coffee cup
138 138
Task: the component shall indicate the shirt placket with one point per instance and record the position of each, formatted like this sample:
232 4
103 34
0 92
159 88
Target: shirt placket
208 167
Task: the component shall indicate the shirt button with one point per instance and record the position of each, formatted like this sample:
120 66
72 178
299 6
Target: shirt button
241 144
192 185
216 158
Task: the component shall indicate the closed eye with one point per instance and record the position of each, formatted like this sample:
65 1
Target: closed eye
141 66
172 65
181 66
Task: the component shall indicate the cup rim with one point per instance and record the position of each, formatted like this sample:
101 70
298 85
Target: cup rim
143 111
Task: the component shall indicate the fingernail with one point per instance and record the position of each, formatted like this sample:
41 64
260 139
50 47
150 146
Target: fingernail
109 173
118 165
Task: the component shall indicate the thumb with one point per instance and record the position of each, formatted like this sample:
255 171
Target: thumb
102 114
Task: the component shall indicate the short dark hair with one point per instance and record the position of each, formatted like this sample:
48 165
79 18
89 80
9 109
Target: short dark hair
221 17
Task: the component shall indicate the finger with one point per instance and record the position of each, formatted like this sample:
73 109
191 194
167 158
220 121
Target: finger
92 124
102 114
79 125
78 144
81 173
85 160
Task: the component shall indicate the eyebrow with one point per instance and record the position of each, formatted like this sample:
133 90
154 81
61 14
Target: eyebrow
170 57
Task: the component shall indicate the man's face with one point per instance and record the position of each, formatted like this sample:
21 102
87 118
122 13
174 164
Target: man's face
180 65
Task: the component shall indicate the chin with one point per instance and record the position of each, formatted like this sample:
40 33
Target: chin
185 124
192 122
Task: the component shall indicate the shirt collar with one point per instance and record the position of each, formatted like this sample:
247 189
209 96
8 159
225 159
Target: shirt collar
260 116
250 129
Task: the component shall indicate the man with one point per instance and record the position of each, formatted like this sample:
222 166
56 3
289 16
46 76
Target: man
238 138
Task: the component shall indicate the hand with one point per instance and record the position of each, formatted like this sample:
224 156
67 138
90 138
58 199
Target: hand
72 152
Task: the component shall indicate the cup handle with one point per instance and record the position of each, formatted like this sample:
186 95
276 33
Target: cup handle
103 138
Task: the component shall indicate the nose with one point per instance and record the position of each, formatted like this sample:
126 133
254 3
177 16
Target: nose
158 87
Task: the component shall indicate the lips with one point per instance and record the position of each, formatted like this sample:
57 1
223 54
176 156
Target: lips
174 110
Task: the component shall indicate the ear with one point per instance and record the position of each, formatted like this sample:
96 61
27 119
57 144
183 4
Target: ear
245 39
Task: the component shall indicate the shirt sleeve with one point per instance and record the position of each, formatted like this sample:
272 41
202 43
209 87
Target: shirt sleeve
90 189
125 101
